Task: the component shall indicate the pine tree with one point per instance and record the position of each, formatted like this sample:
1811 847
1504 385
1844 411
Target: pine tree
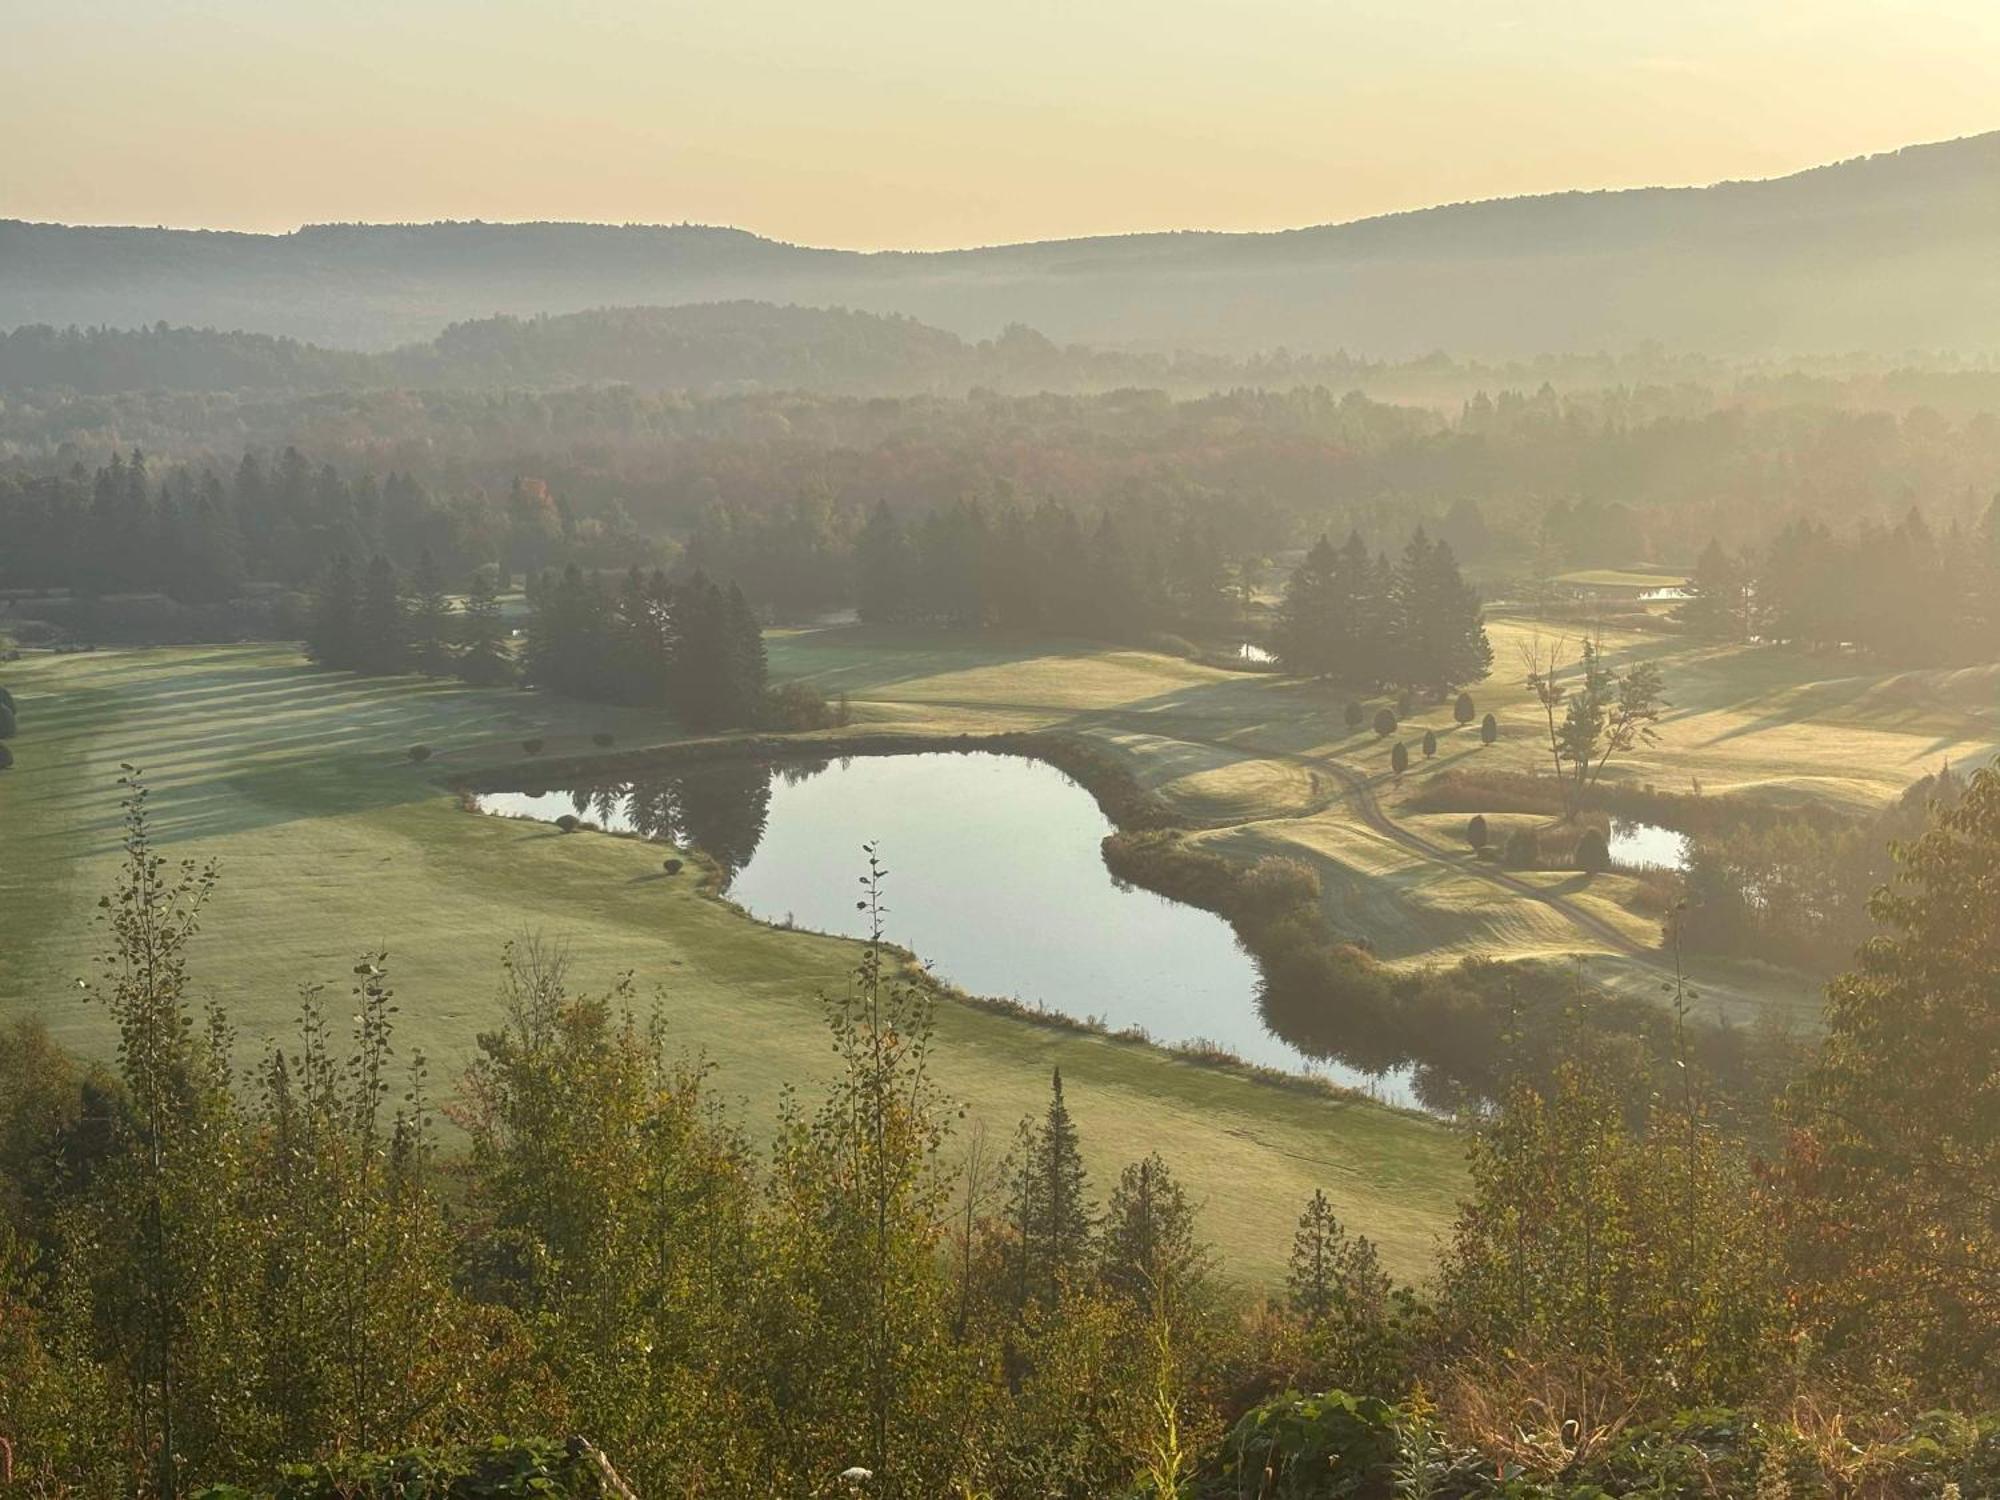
1149 1249
381 628
1304 638
1717 604
1052 1217
333 633
882 563
485 658
430 620
1333 1277
746 666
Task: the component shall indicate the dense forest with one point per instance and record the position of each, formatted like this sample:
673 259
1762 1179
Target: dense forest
206 1274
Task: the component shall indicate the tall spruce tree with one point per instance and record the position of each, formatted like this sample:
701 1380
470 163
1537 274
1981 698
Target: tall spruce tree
1052 1216
333 632
431 647
484 658
381 632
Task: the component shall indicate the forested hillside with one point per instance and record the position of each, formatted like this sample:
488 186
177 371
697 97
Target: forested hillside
1888 252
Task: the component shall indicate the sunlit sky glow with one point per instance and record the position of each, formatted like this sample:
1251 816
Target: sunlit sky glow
895 123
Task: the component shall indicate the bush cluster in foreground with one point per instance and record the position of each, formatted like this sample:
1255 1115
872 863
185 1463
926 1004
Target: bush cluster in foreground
275 1284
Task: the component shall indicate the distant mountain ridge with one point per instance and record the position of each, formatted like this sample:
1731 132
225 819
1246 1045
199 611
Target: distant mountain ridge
1892 252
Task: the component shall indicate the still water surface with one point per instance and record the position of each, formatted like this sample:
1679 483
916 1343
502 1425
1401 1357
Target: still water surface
995 879
1647 846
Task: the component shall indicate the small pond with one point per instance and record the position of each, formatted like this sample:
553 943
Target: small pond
995 879
1251 651
1647 846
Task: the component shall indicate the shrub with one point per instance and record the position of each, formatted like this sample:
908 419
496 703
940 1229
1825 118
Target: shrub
1385 723
796 706
6 758
1462 710
1475 831
604 739
568 823
1353 714
532 747
1524 850
419 753
671 866
6 722
1592 852
499 1466
1489 730
1405 704
7 700
1327 1445
1430 744
1399 758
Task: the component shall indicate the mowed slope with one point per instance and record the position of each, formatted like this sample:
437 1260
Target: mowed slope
331 843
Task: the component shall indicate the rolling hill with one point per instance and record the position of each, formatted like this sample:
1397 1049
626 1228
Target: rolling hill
1894 252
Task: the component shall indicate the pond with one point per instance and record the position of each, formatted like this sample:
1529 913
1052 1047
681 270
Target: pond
995 880
1647 846
1250 651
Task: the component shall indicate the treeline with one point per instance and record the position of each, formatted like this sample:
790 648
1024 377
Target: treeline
1414 623
688 645
1903 592
197 538
1531 481
1038 570
205 1274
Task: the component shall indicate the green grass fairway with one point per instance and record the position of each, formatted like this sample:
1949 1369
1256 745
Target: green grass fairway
332 842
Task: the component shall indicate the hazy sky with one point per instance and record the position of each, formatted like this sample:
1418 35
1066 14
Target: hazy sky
922 123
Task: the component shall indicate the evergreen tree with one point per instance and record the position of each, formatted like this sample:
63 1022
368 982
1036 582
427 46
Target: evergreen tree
1148 1244
430 620
882 565
484 658
1717 604
334 632
381 644
1052 1217
1333 1277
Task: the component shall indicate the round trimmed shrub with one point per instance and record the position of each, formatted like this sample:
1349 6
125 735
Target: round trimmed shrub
6 722
604 739
1353 714
1475 831
532 747
671 866
1462 710
1524 850
1430 744
1592 851
419 753
6 757
1399 758
1385 723
6 700
568 823
1489 730
1405 704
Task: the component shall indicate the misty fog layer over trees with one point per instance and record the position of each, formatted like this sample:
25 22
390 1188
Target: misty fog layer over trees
1890 252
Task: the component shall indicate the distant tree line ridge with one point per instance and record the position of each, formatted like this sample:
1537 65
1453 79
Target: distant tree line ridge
1524 485
199 539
